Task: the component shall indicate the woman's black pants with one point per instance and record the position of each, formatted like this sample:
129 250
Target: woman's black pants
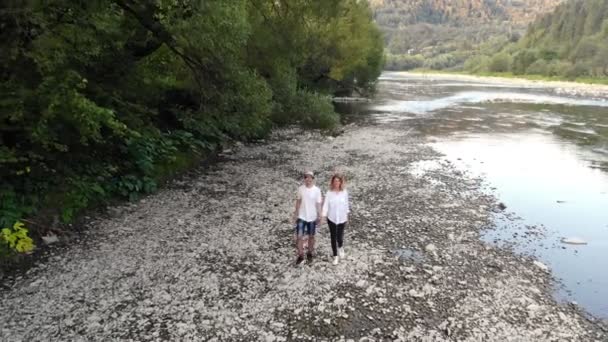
336 231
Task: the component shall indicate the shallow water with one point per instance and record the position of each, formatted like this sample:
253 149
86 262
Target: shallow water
544 154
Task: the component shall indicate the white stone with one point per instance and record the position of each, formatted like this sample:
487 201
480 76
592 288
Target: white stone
49 239
416 294
574 241
541 265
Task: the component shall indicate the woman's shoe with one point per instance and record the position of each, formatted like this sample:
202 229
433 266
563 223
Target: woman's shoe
341 253
299 260
335 262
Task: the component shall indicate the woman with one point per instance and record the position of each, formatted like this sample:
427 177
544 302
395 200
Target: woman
336 210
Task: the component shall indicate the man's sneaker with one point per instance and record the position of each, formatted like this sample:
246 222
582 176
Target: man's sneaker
309 257
341 253
299 260
335 262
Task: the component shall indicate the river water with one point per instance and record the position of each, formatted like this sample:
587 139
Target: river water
542 151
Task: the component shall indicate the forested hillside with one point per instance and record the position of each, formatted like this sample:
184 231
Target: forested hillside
572 42
440 34
104 99
396 13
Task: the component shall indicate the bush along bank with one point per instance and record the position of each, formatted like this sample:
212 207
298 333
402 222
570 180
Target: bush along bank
104 100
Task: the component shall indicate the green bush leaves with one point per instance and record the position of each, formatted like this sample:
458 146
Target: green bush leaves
15 238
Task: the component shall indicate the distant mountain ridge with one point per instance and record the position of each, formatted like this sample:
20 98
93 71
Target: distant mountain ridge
442 34
395 13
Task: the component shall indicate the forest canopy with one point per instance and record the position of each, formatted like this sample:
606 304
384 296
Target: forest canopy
567 39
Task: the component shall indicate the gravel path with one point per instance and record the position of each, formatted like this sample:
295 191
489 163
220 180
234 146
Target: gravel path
210 258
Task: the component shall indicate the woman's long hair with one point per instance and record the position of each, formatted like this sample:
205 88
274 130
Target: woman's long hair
342 182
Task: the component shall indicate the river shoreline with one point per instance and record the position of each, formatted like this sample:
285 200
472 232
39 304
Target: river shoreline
210 257
560 87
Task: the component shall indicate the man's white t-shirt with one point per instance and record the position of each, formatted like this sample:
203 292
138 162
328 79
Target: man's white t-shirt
308 206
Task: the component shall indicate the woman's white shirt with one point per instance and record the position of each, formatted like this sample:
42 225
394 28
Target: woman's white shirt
336 207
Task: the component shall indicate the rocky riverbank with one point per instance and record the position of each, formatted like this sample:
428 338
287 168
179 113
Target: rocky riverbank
211 257
599 91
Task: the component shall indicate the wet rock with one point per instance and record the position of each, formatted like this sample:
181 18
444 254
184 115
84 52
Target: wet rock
573 241
541 266
500 207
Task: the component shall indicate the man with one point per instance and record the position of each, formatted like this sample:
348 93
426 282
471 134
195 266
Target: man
307 215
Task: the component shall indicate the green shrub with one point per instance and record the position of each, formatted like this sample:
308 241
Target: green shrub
443 61
309 109
500 62
539 67
478 63
578 70
522 60
403 62
558 68
15 239
548 55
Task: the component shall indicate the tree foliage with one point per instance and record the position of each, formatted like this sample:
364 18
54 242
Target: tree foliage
447 32
105 98
571 42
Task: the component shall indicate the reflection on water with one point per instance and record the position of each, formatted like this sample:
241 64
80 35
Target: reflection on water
546 155
547 182
474 97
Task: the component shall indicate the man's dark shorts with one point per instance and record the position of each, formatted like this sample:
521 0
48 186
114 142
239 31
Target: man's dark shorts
306 228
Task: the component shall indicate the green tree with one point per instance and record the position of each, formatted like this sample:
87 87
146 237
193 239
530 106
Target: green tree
500 62
477 63
539 67
600 62
522 60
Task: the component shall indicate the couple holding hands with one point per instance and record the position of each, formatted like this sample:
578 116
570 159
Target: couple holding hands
311 208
